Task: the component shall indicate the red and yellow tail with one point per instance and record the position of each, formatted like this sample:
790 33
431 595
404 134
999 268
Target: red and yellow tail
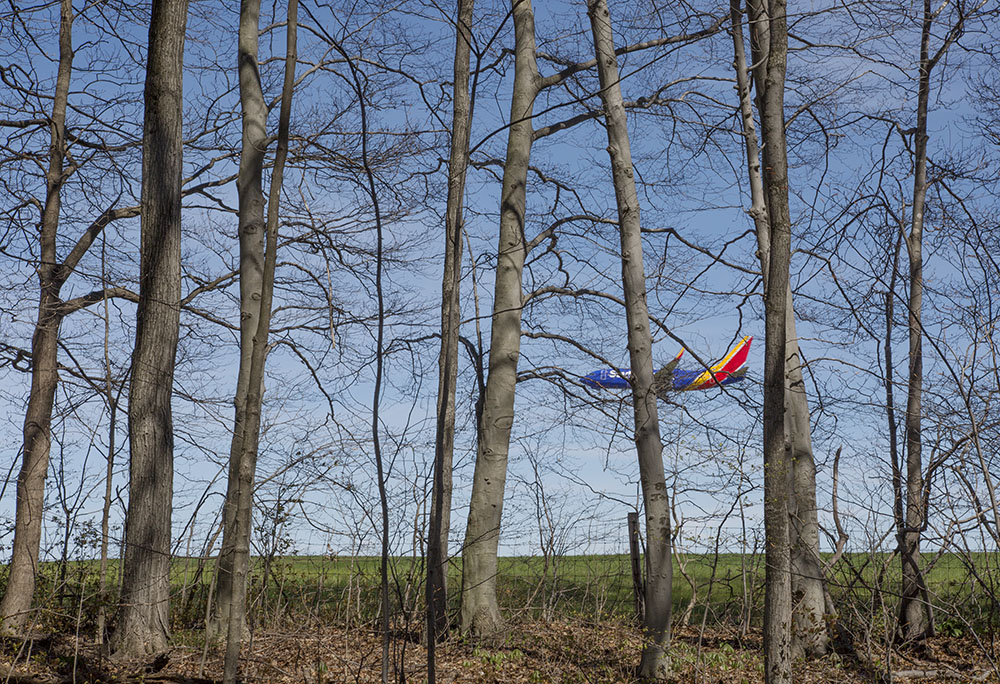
730 364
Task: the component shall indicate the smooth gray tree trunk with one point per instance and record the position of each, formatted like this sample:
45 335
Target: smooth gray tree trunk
144 612
810 621
444 442
659 570
251 229
248 426
480 615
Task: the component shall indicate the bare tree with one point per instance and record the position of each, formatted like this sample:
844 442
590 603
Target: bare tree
915 620
809 633
769 46
480 612
251 230
44 376
144 619
656 500
256 295
52 310
914 610
444 441
112 400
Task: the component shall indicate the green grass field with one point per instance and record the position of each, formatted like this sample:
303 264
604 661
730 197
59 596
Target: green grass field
728 587
568 616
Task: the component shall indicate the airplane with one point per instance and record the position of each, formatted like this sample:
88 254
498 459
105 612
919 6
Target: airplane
731 368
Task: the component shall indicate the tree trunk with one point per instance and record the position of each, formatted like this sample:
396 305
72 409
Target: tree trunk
109 471
16 605
809 634
248 429
249 187
480 613
444 442
144 619
659 569
777 461
37 435
914 610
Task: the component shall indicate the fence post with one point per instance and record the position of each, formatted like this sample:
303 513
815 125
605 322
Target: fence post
638 588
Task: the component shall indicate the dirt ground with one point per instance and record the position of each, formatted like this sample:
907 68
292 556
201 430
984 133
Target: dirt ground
561 651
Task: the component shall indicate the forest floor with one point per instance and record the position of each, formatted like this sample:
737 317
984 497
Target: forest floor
535 651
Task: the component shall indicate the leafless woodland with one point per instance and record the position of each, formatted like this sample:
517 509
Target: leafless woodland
297 300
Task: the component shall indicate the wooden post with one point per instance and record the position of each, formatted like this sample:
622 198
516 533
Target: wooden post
638 588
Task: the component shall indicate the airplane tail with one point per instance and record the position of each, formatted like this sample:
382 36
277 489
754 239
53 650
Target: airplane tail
730 365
